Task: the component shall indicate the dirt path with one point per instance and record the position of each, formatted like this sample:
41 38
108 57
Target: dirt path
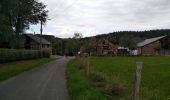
42 83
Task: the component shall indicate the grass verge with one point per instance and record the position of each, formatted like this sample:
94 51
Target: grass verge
119 75
8 70
80 88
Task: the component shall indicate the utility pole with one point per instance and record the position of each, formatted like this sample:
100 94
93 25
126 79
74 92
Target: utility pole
41 37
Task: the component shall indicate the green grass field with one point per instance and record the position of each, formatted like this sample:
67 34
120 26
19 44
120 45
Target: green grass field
155 83
8 70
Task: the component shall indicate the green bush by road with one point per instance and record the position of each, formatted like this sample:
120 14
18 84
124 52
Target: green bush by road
8 55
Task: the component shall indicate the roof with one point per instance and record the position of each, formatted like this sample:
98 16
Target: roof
104 40
148 41
37 39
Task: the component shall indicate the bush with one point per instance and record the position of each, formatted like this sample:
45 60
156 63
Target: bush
98 79
80 63
7 55
115 88
46 52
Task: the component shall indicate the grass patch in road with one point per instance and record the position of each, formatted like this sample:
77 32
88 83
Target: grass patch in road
11 69
119 74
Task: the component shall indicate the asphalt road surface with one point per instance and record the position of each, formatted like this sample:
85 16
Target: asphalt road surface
42 83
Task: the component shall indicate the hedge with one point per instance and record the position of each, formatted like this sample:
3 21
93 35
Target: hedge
8 55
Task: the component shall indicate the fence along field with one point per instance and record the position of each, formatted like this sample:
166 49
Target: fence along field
117 73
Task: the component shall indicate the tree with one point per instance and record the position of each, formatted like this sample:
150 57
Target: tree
7 36
19 14
25 13
157 47
89 44
77 36
77 41
127 41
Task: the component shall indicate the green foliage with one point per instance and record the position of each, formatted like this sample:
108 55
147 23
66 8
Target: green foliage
127 41
158 47
89 44
8 70
15 18
98 79
7 55
46 52
72 46
115 88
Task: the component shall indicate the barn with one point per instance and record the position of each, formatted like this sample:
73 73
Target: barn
154 46
104 47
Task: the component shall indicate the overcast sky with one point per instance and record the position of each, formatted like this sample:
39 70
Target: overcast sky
92 17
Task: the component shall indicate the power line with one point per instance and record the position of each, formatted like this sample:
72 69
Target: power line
68 7
74 2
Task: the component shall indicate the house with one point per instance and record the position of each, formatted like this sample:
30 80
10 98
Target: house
104 47
33 42
154 46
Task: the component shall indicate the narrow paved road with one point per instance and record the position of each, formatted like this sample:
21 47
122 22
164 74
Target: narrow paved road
42 83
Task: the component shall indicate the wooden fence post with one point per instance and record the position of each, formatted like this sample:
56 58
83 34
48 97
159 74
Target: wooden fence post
136 88
78 60
87 66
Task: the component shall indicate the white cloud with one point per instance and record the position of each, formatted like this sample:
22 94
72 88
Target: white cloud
93 17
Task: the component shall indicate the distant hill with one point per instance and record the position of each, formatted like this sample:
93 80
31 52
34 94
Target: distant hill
115 36
122 38
130 38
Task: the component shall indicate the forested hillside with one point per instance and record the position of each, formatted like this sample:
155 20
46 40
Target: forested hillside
124 38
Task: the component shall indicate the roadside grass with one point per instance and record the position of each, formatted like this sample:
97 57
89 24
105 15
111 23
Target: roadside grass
120 71
11 69
80 88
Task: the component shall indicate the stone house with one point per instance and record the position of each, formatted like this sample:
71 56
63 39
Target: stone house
104 47
154 46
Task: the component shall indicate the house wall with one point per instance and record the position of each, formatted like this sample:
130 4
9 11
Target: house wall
34 45
148 49
31 44
105 49
99 50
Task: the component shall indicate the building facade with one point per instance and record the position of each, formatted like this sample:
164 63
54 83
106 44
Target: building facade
33 42
104 47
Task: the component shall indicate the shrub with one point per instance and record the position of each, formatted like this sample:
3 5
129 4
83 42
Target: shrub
157 47
115 88
7 55
98 79
80 63
46 52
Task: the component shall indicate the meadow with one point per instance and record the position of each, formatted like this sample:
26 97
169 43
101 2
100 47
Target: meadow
119 74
